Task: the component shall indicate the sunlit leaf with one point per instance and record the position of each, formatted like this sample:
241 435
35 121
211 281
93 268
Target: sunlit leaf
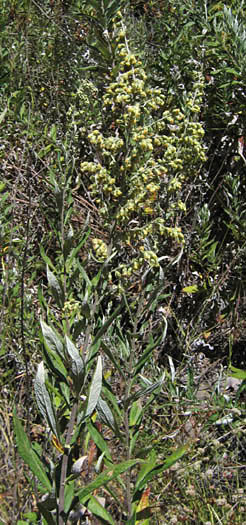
135 413
238 373
51 339
77 364
56 288
95 388
43 399
97 509
190 289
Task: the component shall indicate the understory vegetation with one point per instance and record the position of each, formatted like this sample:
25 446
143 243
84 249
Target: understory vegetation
122 262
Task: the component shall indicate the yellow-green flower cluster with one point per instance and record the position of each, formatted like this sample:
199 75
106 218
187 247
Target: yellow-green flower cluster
72 307
101 177
108 145
100 249
81 110
146 256
143 157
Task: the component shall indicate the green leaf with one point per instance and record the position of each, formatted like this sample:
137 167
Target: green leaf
133 439
92 352
56 288
68 242
68 496
145 469
67 216
145 391
96 279
155 471
98 439
31 516
53 132
55 363
112 358
135 413
105 414
238 373
46 259
106 476
190 289
22 110
77 365
76 250
51 339
98 510
44 151
95 388
29 455
43 399
111 397
65 392
107 324
85 277
149 349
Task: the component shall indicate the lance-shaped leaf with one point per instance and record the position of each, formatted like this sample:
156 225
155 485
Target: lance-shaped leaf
77 364
148 351
46 258
105 413
107 324
29 455
55 364
238 373
156 470
136 413
75 250
51 339
95 388
68 496
105 477
144 470
43 399
97 509
59 194
107 391
112 357
56 288
98 439
145 391
68 242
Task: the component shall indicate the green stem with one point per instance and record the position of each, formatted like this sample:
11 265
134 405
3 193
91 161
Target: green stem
65 465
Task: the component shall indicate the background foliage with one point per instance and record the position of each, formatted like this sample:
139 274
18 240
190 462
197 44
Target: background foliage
123 140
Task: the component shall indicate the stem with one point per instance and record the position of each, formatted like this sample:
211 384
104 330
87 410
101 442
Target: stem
128 475
65 464
126 409
22 312
64 261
